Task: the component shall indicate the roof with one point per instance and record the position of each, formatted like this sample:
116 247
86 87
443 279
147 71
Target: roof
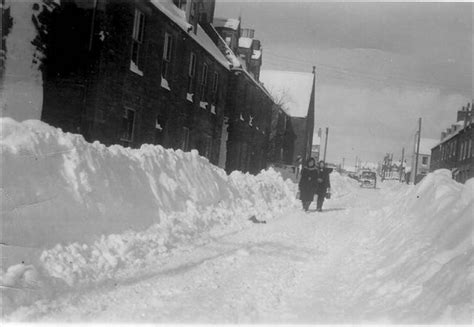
245 42
178 16
426 145
229 54
257 83
232 23
453 134
293 89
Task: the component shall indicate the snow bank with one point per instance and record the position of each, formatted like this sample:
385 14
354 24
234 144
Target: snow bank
75 213
342 185
425 255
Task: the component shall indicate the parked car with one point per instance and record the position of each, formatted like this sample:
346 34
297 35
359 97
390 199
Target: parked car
368 179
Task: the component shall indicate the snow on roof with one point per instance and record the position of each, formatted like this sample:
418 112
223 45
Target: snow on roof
245 42
256 54
178 16
293 89
232 23
426 145
229 54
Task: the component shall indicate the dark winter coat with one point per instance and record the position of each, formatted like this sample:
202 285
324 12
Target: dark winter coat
322 181
307 184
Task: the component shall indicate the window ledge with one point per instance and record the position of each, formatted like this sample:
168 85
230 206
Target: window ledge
164 84
203 104
134 68
189 97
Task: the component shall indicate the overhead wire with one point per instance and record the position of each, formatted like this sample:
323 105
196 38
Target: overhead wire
274 58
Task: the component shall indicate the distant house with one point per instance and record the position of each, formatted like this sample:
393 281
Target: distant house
454 150
424 156
294 90
315 149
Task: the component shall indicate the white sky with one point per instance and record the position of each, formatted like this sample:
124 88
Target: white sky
380 66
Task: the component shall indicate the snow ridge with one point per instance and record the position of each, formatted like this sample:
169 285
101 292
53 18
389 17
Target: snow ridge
76 214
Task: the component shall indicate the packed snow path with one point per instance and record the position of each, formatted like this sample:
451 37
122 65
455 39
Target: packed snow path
299 268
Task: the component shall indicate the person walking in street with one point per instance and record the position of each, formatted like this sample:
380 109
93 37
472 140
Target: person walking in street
307 183
323 184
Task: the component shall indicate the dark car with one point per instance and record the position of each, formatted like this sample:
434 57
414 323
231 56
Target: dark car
368 179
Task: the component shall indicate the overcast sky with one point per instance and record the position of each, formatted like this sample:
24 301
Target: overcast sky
380 66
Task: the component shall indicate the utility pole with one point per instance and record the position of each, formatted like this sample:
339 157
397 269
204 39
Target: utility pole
326 143
417 150
401 164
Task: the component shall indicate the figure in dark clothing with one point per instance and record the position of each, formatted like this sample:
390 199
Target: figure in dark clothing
323 185
307 183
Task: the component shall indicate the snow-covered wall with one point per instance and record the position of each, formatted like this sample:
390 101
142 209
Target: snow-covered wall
78 212
21 95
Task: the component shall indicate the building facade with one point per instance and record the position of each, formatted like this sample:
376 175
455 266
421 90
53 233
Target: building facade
156 72
455 149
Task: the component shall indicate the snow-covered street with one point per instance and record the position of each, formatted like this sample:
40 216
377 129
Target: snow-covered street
329 267
156 164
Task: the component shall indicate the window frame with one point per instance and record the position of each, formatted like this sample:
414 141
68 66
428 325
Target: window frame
185 139
424 160
125 117
203 84
138 32
192 73
167 56
207 147
215 88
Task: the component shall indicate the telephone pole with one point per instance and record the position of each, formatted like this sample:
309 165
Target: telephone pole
401 164
326 144
417 150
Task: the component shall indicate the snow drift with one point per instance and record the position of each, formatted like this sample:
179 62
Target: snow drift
75 213
422 268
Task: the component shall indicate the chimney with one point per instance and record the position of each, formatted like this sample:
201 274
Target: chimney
443 135
454 128
462 114
448 131
247 32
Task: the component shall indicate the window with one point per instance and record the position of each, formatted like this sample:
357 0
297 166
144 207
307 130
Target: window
424 160
137 39
167 56
181 4
191 72
215 87
243 157
128 121
207 147
204 82
185 141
